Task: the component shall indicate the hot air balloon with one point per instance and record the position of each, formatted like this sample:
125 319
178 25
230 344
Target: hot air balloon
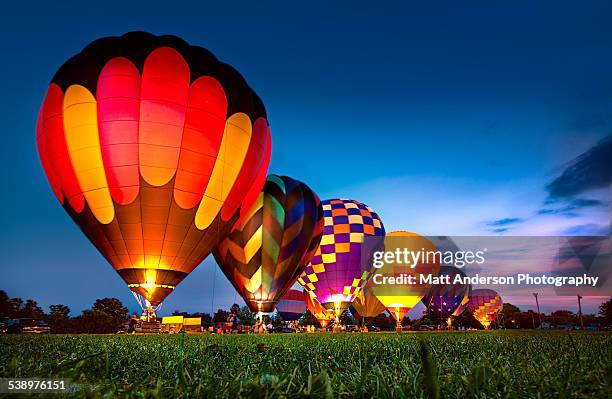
400 298
448 300
291 306
335 275
322 315
271 246
155 149
485 305
366 305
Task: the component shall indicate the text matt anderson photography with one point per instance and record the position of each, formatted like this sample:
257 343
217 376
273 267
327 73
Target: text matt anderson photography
322 200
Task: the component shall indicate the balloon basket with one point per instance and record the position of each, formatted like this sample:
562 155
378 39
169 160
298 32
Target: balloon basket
149 312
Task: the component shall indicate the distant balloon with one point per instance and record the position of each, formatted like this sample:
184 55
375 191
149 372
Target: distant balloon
292 305
271 246
448 300
485 305
322 315
335 276
155 149
367 305
400 298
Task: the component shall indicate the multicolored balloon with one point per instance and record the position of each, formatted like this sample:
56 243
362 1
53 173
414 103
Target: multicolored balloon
448 300
155 149
400 298
270 247
485 305
335 275
322 315
292 305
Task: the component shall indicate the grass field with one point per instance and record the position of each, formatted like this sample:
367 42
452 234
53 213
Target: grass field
453 364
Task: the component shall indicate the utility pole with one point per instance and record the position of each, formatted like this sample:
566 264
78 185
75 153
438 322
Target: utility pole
580 310
535 294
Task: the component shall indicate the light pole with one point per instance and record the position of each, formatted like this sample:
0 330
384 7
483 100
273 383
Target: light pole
535 294
580 311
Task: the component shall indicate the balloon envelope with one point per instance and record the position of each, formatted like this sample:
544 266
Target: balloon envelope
485 305
271 246
335 274
322 315
135 135
400 298
449 299
366 304
292 305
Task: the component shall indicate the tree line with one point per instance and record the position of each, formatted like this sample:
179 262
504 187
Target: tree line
109 315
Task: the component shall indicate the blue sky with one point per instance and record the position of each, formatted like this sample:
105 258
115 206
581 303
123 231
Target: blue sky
448 119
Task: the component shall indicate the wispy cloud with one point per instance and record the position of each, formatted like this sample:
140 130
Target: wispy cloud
576 202
572 208
589 229
504 222
591 170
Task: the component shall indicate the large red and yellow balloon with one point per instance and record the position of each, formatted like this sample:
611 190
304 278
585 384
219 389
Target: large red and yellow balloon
155 149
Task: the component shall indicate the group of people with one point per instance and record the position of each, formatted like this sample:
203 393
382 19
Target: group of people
261 327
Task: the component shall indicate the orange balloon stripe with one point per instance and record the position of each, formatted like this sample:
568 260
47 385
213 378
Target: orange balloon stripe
164 94
250 169
262 171
44 159
118 97
204 124
55 143
236 138
83 143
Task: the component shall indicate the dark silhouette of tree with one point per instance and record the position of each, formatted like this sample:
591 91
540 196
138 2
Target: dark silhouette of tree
59 319
564 317
180 313
277 320
206 320
605 311
247 318
466 320
220 316
31 310
113 308
10 308
510 313
384 322
308 319
6 307
59 311
347 319
94 322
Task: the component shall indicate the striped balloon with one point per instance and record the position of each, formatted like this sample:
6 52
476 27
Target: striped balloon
268 250
155 149
292 305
